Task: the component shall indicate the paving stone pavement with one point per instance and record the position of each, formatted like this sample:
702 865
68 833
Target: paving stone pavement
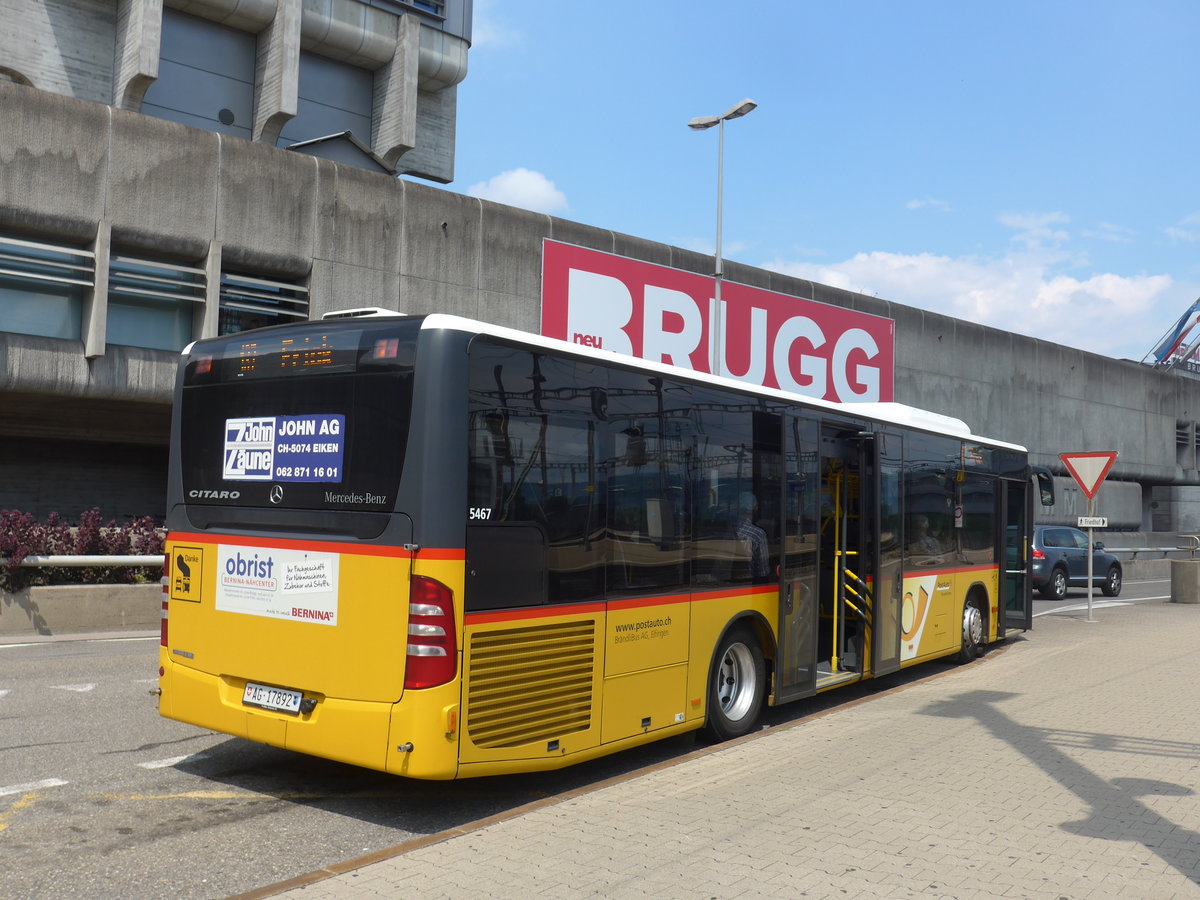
1065 765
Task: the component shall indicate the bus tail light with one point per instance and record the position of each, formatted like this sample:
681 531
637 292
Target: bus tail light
166 587
432 646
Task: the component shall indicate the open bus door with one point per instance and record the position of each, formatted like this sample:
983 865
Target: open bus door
796 659
888 465
849 551
1015 512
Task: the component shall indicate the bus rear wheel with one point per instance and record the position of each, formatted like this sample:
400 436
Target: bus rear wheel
736 685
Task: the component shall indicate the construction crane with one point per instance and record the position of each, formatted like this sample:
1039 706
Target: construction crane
1179 346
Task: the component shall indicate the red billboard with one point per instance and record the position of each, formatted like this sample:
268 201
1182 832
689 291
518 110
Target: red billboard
763 337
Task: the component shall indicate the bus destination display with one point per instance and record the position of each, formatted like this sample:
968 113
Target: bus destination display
335 351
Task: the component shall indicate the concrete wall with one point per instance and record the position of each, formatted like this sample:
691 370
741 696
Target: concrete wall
70 169
76 609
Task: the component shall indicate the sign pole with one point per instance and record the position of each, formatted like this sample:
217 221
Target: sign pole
1091 555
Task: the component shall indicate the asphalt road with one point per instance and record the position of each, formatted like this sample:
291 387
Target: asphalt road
101 797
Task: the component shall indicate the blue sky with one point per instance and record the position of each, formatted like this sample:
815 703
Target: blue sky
1027 165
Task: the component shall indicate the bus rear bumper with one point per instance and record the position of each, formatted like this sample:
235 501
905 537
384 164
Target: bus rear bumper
350 731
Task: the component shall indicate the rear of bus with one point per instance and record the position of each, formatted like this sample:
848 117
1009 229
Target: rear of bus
298 609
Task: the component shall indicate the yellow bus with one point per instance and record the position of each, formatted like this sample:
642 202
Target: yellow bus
443 549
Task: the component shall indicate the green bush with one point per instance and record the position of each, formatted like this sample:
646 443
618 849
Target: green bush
21 535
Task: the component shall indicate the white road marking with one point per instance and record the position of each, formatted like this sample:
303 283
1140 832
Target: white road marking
77 688
1096 604
3 692
28 786
81 640
174 760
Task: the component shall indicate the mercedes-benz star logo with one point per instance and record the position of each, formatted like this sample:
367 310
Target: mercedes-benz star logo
276 494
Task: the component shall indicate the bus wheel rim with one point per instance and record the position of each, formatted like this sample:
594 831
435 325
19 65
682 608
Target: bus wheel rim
972 626
736 688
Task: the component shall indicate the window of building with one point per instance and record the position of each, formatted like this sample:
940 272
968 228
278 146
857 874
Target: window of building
152 304
335 97
248 302
205 76
1184 437
437 7
42 287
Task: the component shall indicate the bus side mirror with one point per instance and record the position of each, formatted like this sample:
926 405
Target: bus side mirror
1045 484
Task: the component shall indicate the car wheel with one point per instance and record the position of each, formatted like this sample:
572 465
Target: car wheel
1055 587
1112 582
736 686
972 632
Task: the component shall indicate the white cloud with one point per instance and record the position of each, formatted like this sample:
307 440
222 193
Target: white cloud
1106 231
1018 292
940 205
1185 235
1034 229
706 245
522 188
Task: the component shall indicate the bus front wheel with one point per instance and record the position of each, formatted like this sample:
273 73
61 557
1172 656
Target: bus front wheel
736 685
972 632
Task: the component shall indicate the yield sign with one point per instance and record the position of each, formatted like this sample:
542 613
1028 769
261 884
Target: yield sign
1089 469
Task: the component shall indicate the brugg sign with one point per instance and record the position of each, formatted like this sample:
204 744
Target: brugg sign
665 315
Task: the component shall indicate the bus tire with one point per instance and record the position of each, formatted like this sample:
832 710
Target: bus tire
973 631
736 685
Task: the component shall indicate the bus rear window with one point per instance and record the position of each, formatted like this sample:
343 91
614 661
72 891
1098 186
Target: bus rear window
297 418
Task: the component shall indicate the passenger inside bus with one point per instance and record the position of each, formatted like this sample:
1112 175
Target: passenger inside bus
753 538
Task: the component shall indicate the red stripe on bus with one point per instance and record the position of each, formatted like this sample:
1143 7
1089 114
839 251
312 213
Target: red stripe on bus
457 553
643 602
531 612
568 609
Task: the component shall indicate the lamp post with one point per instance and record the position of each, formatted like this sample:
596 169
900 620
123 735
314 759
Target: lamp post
714 319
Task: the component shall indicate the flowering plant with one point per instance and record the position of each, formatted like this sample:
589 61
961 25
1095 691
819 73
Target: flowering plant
21 535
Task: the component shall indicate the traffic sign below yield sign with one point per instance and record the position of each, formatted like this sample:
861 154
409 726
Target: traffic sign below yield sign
1089 469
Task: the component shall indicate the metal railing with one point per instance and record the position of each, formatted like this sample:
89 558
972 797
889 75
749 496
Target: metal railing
81 562
1189 545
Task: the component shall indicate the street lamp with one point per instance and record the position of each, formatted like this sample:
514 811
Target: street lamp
701 124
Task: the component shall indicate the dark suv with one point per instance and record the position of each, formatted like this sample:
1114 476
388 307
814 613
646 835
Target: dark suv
1060 561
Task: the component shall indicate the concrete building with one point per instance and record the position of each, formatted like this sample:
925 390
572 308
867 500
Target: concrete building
134 217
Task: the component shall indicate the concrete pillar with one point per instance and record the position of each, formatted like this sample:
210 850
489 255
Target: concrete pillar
436 121
277 73
138 47
207 316
394 99
1185 581
94 326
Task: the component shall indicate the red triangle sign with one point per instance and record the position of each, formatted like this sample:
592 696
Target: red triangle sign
1089 469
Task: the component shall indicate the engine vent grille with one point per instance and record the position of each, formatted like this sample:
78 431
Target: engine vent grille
530 684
